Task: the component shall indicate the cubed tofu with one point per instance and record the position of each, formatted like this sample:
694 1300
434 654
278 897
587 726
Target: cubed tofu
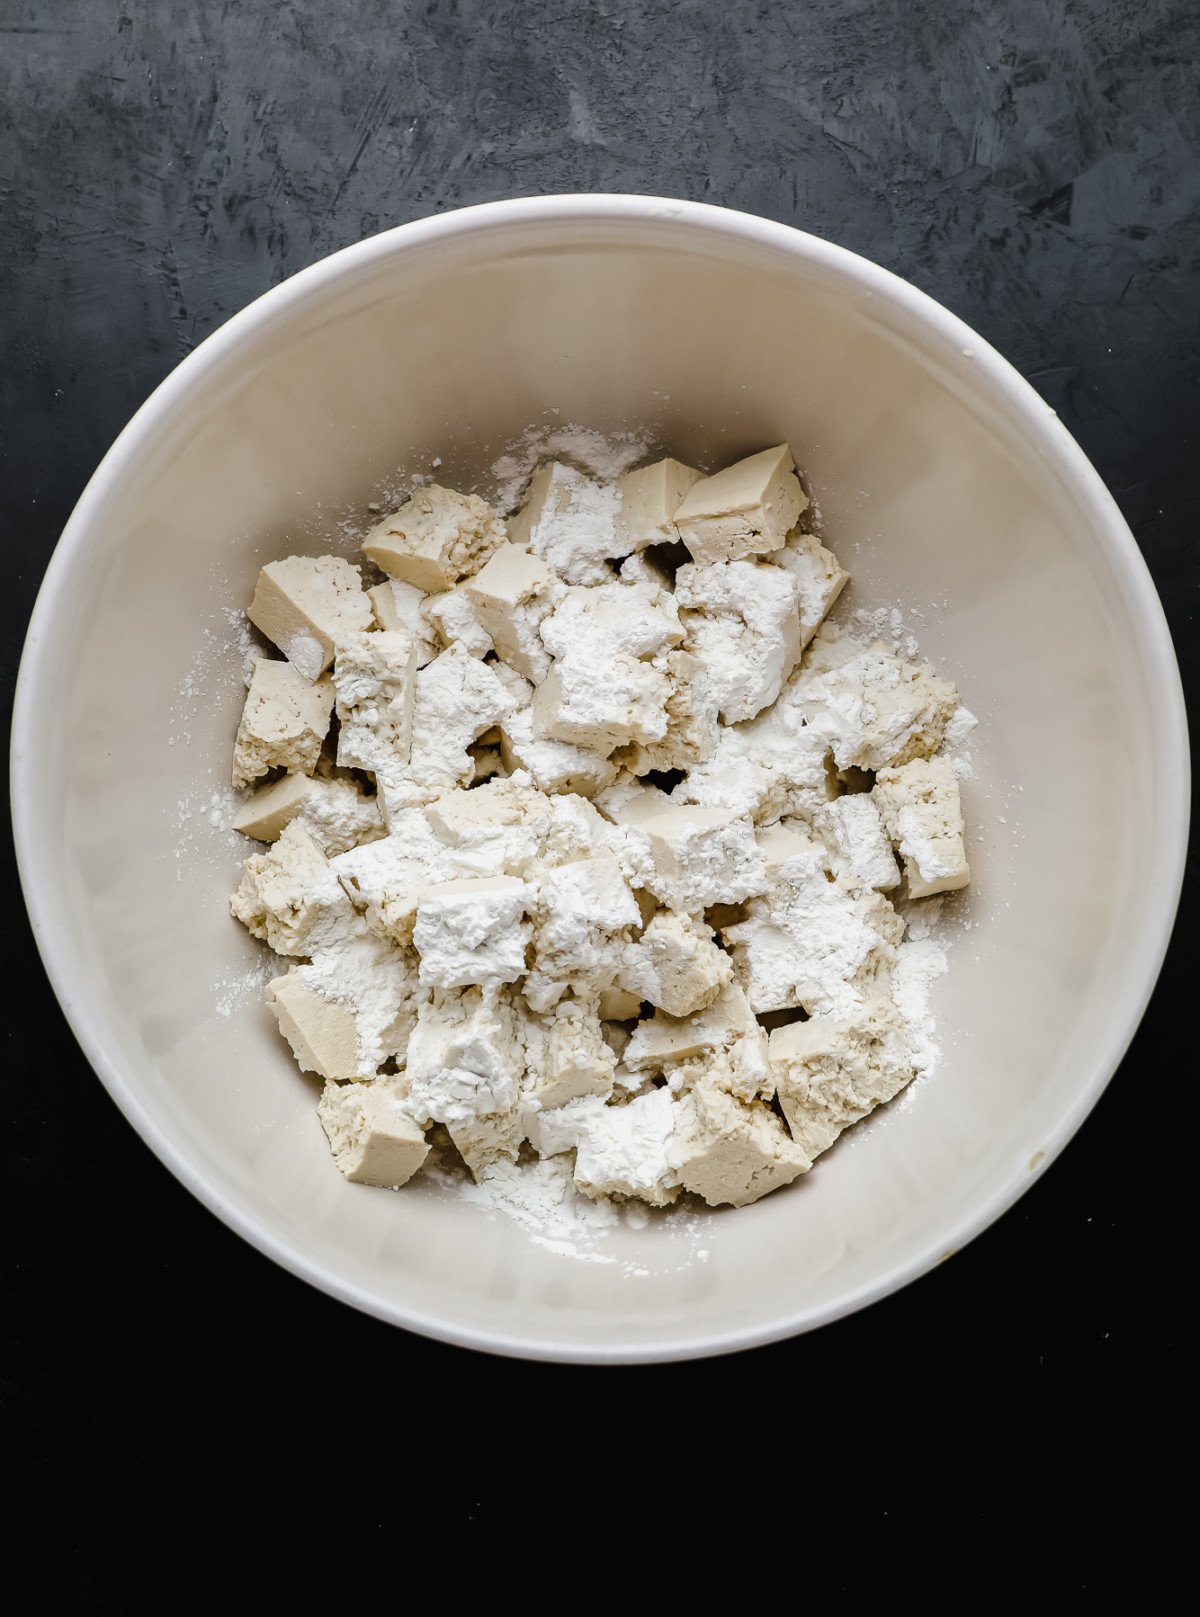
623 1150
322 1033
818 575
574 1059
676 965
731 1152
374 1139
306 604
397 605
374 676
745 510
743 626
569 520
283 723
512 594
831 1071
863 855
436 539
701 856
456 621
337 813
291 898
922 813
650 497
473 931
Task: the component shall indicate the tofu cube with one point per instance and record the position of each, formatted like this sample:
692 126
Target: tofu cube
731 1152
623 1150
676 965
373 1138
437 538
488 1139
701 856
650 497
374 676
291 898
322 1033
862 853
745 510
283 723
819 579
306 604
465 1058
338 815
830 1072
473 931
569 520
922 813
512 593
575 1059
456 620
662 1040
397 605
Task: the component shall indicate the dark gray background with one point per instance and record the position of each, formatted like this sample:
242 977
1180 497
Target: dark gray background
1035 167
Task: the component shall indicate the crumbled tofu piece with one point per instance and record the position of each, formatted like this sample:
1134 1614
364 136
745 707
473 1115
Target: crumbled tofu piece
818 576
745 510
696 856
874 708
397 605
922 812
554 766
457 699
692 732
473 931
374 675
384 879
455 621
349 1009
684 1048
584 913
570 521
603 690
831 1072
556 1130
372 1135
306 604
742 624
291 898
863 855
731 1151
769 767
778 843
618 1005
322 1034
571 1058
810 943
490 1138
513 594
338 814
675 964
435 540
650 497
727 1024
624 1150
465 1058
283 722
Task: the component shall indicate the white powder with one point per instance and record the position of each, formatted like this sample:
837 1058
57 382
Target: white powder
919 963
600 456
541 1197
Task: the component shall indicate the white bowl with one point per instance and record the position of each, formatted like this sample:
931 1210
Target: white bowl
947 486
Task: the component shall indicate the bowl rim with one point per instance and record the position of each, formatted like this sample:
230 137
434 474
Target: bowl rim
1024 404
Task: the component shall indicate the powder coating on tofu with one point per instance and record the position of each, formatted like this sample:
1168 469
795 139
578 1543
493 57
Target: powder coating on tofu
595 818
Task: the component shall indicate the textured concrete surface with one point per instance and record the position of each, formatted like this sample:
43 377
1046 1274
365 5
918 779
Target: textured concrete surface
1035 167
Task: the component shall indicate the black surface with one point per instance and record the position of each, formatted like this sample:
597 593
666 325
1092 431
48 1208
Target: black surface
1033 166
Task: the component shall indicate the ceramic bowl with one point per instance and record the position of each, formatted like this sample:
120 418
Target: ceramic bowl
948 488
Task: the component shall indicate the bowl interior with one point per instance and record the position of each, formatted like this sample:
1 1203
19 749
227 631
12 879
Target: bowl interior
946 488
